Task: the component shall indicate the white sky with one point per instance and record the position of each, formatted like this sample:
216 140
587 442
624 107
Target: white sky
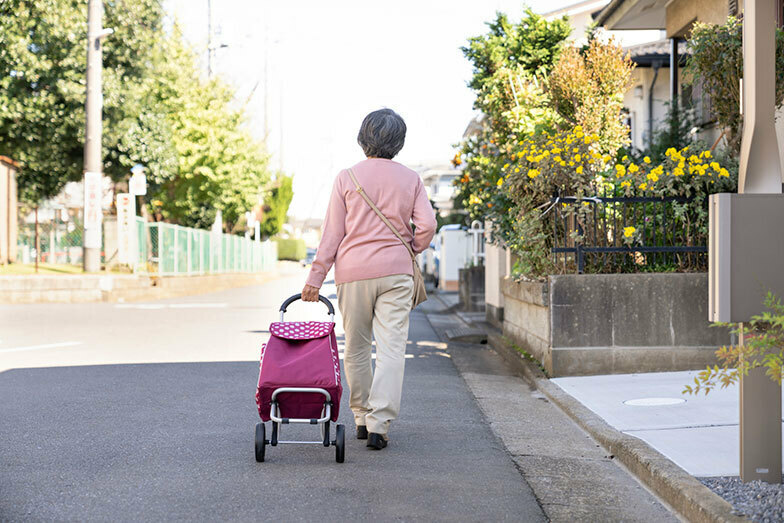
330 63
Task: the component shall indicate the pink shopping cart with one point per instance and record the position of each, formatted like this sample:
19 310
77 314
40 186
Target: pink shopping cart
299 380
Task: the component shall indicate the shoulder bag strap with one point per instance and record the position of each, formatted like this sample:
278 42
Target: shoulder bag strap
372 205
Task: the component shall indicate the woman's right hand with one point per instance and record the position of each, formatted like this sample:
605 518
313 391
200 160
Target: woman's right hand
310 293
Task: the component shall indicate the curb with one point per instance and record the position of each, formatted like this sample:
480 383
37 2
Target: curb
682 491
113 288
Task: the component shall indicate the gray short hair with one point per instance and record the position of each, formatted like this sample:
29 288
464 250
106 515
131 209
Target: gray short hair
382 134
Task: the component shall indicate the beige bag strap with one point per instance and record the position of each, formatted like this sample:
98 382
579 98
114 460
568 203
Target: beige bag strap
372 205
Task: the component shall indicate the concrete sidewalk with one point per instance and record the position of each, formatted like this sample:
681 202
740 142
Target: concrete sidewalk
699 433
572 476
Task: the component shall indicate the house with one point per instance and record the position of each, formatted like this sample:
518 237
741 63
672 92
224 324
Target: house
8 205
647 100
676 18
439 184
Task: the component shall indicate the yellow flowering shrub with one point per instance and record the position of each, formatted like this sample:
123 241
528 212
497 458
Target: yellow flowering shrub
550 163
686 172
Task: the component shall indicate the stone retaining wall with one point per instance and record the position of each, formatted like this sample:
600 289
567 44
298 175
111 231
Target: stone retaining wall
613 323
117 287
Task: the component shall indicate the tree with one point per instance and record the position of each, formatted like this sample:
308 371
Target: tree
587 89
42 69
220 165
158 110
41 92
510 66
276 206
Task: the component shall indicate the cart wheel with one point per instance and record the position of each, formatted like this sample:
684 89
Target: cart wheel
261 442
340 443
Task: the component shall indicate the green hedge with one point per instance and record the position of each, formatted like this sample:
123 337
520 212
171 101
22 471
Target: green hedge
291 248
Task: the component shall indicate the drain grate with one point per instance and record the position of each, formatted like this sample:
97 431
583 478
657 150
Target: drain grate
466 335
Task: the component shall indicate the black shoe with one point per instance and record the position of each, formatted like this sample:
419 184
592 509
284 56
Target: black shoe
362 432
376 441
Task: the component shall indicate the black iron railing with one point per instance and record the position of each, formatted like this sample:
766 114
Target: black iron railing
665 233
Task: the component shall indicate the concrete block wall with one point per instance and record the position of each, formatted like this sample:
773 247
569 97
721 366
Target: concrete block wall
495 271
527 317
472 289
613 323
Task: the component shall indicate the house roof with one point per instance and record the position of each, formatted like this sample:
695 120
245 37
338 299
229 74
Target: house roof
9 161
584 6
644 55
633 14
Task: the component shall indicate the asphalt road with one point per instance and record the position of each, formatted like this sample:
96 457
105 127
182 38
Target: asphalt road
146 412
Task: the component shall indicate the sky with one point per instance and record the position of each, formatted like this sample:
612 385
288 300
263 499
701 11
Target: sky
328 64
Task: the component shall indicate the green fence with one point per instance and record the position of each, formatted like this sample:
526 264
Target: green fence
167 250
59 241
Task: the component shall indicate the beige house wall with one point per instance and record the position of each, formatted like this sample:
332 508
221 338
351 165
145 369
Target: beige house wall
8 212
636 102
682 13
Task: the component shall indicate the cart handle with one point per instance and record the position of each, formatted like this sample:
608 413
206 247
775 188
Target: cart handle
296 297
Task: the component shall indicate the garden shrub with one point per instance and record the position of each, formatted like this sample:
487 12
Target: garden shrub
587 89
291 248
715 58
552 130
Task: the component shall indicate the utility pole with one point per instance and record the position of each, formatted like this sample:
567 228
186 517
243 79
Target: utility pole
210 49
93 162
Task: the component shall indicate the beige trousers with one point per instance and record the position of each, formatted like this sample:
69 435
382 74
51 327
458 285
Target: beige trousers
378 307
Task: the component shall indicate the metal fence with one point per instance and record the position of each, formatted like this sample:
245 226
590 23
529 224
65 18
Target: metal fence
158 248
591 236
59 240
169 250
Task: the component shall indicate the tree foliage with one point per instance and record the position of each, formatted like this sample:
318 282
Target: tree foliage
42 92
42 88
587 89
159 111
220 166
276 206
510 64
716 60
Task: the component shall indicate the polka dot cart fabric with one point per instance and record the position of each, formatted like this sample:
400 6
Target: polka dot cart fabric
301 330
299 354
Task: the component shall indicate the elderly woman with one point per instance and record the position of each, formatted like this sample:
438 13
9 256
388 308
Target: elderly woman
373 269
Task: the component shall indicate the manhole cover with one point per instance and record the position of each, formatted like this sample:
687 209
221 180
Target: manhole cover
654 402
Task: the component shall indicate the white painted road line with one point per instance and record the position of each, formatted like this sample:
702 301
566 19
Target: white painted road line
156 306
373 356
45 346
139 306
198 305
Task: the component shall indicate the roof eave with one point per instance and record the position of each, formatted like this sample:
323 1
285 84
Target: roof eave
607 13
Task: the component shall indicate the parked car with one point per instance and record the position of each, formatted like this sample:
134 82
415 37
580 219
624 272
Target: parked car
310 255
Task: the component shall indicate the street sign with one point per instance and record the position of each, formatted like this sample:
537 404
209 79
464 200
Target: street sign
126 229
93 193
137 185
